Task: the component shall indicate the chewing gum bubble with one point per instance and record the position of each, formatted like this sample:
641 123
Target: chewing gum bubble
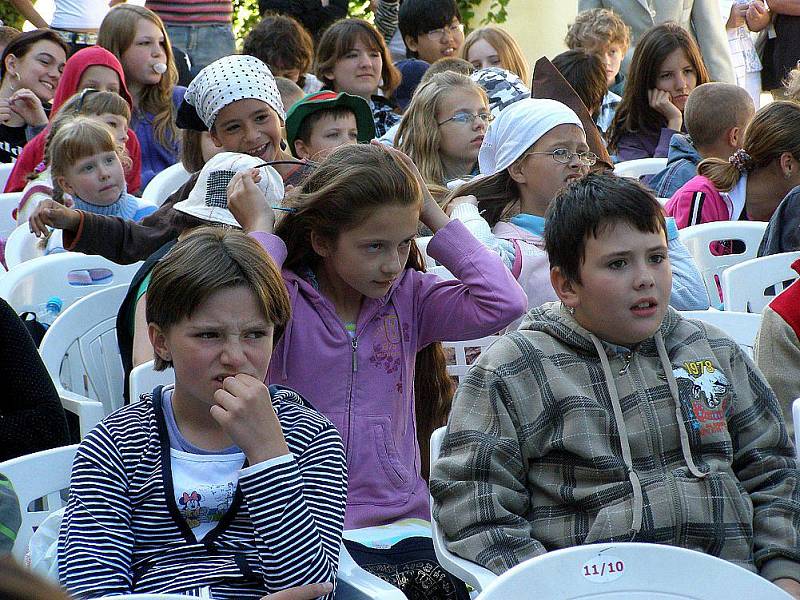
160 68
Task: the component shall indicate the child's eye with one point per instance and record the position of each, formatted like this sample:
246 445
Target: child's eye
87 168
109 160
374 247
207 335
657 258
254 335
231 128
617 264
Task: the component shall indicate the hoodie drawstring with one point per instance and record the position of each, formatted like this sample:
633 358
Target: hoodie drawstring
638 497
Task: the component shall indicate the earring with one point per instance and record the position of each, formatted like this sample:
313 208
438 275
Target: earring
788 174
570 309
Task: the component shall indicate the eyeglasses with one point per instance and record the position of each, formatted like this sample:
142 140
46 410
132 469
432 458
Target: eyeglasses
468 118
564 156
453 30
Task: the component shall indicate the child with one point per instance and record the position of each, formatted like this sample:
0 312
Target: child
609 417
444 126
601 32
364 318
322 122
352 57
587 76
91 68
532 150
492 46
137 37
290 92
753 181
287 49
85 162
431 29
665 68
716 116
186 490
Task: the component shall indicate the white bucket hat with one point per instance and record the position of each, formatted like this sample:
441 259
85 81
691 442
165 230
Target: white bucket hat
208 200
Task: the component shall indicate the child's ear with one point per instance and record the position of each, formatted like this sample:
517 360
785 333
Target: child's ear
212 132
159 342
517 172
64 185
321 245
410 42
565 288
735 137
301 149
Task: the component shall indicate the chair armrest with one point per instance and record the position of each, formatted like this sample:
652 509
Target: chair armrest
354 583
89 412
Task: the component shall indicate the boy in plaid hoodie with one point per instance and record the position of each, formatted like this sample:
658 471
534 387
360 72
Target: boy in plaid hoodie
607 417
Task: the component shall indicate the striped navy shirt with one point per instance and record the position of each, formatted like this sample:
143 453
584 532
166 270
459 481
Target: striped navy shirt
122 530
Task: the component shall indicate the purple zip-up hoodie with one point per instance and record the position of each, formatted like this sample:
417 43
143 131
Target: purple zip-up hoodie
365 384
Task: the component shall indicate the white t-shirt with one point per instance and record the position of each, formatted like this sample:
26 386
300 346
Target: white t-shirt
77 15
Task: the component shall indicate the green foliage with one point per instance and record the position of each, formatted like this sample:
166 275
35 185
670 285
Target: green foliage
497 11
10 17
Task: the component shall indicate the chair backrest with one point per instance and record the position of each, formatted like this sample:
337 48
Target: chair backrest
741 327
166 182
5 173
21 246
42 475
752 284
143 379
796 423
86 334
702 240
8 202
465 353
630 570
639 167
471 573
68 275
422 245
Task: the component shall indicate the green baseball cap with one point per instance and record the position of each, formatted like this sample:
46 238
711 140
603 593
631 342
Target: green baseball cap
324 100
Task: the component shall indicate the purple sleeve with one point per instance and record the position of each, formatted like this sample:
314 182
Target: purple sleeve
662 148
272 244
483 298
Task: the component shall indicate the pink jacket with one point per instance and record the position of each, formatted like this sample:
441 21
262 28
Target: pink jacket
365 385
699 201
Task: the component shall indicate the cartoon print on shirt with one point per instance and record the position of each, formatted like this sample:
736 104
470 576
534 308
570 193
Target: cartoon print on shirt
706 393
206 507
190 510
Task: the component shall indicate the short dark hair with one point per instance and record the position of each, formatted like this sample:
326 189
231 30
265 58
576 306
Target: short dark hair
586 74
307 126
421 16
281 42
586 207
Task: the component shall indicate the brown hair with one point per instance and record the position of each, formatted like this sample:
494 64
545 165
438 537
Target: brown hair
117 33
498 196
19 583
22 43
353 181
340 38
775 129
586 74
508 50
451 64
207 260
598 27
634 112
282 43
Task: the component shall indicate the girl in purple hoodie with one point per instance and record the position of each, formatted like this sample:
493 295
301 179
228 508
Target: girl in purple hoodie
364 317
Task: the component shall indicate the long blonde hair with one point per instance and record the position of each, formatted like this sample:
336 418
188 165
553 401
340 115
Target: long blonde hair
508 50
775 129
117 33
418 135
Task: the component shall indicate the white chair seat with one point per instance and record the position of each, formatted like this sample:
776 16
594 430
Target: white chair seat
143 378
8 202
745 286
741 327
5 173
22 245
639 167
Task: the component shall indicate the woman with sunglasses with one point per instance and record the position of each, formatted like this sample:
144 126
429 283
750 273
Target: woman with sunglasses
532 150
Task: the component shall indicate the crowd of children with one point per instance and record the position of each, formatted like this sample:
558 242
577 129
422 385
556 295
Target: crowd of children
283 287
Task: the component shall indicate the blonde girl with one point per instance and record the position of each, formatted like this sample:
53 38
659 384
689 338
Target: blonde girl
444 126
352 57
752 183
492 46
138 38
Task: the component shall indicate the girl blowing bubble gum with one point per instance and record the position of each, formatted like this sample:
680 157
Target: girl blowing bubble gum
365 318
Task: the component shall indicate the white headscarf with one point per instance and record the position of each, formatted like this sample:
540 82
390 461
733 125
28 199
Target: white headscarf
517 128
232 78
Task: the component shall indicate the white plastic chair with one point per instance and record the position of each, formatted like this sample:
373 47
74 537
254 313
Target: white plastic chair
29 285
86 334
741 327
639 167
39 475
461 366
144 379
422 245
8 202
745 286
166 182
796 422
471 573
699 238
630 570
5 173
22 246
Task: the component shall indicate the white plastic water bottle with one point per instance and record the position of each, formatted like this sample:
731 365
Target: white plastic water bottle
50 310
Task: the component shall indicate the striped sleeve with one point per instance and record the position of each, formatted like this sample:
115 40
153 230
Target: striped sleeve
695 214
386 18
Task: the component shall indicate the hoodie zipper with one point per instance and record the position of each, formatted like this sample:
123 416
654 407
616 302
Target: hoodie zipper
627 358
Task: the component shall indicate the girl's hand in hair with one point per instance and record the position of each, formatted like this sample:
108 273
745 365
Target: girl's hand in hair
49 213
244 410
304 592
27 105
432 215
248 204
660 101
460 200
